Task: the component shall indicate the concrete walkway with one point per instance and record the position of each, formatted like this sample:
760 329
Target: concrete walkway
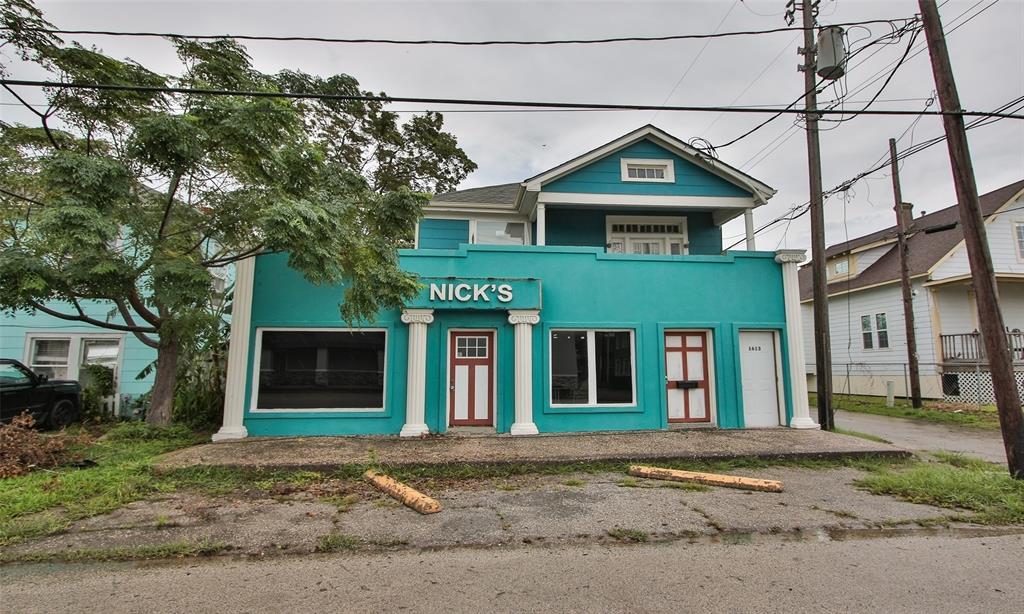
926 436
319 453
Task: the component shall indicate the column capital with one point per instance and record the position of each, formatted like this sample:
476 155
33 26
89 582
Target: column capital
524 316
796 256
417 316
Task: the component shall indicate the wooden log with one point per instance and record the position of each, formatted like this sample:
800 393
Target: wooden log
711 479
408 496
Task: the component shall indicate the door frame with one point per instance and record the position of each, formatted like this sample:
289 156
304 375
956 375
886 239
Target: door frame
709 343
450 373
780 392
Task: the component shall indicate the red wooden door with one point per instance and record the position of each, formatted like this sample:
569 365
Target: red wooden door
471 378
687 381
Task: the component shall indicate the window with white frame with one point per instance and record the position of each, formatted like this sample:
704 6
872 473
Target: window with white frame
841 267
321 369
646 235
874 330
499 232
1018 228
592 367
648 170
63 356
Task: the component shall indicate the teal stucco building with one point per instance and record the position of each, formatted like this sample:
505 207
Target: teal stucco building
593 296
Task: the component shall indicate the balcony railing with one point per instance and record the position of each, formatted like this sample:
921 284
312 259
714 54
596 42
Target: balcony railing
969 347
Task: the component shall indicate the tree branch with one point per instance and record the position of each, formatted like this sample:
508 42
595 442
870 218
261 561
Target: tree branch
171 190
84 318
140 307
126 314
215 262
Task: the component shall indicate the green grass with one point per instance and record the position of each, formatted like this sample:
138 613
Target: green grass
985 417
47 501
178 549
688 486
628 535
337 542
955 482
867 436
574 482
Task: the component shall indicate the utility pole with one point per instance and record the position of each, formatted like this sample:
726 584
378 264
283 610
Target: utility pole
1011 421
822 343
902 213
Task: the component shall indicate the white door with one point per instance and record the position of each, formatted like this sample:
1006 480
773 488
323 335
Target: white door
760 378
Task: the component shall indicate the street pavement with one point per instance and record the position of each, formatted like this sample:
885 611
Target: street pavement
926 436
939 573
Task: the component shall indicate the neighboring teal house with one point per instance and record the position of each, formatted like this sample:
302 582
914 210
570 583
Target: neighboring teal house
59 348
593 296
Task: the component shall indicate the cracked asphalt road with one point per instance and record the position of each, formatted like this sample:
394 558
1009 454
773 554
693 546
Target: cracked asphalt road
908 574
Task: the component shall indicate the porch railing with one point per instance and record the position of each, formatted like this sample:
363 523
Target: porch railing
969 347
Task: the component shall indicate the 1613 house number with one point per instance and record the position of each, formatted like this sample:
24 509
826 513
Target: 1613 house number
753 348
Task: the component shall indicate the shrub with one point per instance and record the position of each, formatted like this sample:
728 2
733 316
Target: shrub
97 384
23 449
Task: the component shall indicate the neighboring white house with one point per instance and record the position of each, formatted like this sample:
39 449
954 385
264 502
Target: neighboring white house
866 306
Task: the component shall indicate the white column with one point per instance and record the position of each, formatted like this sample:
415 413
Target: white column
541 224
789 259
416 378
238 353
524 320
748 222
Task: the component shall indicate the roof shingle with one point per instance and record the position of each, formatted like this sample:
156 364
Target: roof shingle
925 249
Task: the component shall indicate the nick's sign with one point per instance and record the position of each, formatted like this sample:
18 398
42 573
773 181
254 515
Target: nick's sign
477 293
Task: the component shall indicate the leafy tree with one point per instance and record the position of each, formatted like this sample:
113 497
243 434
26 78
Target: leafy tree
136 197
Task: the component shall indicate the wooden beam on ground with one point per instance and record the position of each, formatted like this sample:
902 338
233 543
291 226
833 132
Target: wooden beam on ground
408 496
711 479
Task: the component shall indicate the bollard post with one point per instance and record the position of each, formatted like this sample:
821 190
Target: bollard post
890 393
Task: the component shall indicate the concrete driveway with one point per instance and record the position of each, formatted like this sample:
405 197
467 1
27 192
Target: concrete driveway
924 436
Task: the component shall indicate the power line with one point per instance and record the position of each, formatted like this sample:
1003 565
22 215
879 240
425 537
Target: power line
470 102
797 211
465 43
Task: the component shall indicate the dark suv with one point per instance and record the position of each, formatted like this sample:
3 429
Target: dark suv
53 403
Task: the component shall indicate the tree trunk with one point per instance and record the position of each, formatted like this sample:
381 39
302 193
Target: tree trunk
162 400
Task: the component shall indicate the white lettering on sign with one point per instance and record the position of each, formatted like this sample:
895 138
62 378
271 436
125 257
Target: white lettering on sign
465 293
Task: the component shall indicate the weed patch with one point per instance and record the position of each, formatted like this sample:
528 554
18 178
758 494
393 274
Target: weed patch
964 484
574 482
178 549
337 542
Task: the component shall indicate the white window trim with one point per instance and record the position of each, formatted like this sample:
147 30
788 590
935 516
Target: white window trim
472 218
473 232
649 219
668 163
592 369
257 357
873 331
75 355
1015 227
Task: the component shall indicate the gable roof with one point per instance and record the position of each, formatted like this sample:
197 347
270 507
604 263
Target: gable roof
510 194
760 190
925 249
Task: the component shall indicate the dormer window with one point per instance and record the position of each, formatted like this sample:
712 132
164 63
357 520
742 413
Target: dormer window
841 267
651 171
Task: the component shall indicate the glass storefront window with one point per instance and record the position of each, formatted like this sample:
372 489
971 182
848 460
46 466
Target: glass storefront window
321 370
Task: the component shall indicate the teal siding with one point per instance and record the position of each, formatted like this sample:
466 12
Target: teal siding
582 287
587 228
443 234
134 358
604 176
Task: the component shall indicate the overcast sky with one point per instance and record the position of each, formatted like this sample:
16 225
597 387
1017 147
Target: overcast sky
987 57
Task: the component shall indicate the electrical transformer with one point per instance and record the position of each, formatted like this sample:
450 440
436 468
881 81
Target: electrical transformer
831 53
